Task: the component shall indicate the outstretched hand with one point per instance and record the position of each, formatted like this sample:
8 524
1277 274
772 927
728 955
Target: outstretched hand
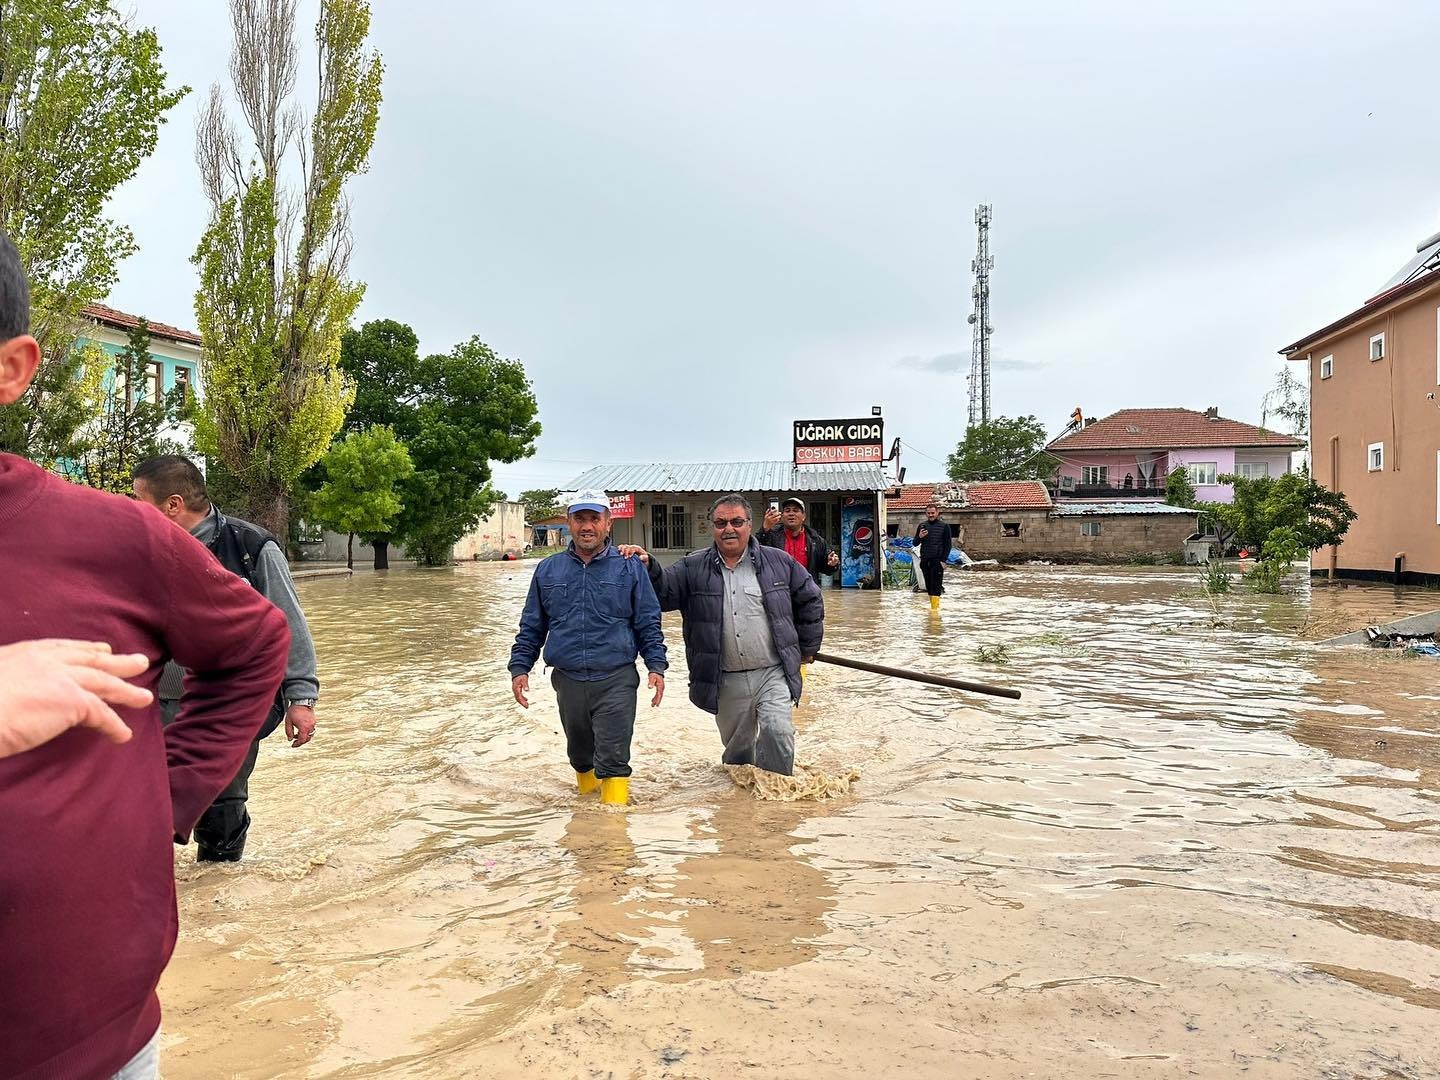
48 687
772 518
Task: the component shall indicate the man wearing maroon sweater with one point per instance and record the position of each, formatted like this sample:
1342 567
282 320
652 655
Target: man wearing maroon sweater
87 885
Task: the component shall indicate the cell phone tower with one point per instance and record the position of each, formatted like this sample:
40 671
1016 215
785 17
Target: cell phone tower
980 328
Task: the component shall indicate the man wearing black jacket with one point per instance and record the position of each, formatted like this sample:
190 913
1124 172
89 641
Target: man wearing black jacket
933 541
786 529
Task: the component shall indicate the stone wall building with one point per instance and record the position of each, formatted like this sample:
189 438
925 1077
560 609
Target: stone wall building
1017 521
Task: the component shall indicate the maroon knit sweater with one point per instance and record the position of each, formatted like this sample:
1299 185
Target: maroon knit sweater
87 883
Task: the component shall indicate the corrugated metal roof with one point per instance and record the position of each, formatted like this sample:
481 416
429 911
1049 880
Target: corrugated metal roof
1079 509
742 476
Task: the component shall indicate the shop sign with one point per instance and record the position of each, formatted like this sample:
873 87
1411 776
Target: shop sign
839 442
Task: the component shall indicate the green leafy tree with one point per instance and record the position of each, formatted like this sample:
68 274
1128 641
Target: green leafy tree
455 413
541 503
82 98
1179 491
275 297
474 408
1003 448
361 493
136 423
1281 518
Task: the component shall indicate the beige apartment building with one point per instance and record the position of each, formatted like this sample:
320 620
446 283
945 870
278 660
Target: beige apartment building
1375 425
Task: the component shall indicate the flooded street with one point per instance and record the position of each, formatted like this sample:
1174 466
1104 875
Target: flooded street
1199 846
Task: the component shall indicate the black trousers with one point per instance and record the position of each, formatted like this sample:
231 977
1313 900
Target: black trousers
221 831
599 720
934 571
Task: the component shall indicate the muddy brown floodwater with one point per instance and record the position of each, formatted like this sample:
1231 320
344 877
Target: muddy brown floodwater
1199 846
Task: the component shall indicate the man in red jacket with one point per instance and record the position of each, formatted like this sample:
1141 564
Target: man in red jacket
87 884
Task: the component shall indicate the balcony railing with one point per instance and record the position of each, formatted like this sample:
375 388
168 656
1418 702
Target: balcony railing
1112 489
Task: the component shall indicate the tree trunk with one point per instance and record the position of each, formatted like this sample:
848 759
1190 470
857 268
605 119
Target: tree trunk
382 554
350 552
270 510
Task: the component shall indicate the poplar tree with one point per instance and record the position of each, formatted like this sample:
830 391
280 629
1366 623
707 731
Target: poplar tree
82 98
275 296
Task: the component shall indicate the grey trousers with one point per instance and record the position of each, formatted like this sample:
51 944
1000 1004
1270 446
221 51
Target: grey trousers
145 1065
599 720
754 720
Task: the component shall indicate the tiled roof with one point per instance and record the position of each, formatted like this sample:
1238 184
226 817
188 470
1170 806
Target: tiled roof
1081 509
1169 429
981 495
108 316
775 477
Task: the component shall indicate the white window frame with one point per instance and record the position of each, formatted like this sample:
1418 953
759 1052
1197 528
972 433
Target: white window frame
1094 475
1377 354
1375 457
1089 528
1246 470
1327 364
1198 478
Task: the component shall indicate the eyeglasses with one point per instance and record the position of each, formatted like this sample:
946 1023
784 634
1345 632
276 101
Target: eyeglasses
737 522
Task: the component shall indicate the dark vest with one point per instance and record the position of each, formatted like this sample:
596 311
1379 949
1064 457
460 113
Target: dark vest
236 544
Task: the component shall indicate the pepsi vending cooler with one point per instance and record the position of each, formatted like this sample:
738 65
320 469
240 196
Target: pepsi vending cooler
859 566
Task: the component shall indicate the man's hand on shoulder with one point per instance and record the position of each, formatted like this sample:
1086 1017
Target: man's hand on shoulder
634 551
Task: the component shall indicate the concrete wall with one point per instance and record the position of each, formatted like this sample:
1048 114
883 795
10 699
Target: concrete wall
1382 401
503 531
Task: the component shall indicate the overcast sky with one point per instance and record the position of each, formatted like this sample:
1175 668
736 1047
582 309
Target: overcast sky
695 222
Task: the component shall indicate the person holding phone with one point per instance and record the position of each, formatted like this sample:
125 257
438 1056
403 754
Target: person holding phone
785 528
933 541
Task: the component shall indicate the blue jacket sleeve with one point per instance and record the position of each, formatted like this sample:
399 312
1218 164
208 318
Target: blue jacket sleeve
809 607
534 625
648 634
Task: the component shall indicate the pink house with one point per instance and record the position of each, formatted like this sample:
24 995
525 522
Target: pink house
1130 453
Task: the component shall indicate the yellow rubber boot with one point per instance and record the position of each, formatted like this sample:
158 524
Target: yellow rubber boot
934 603
586 782
615 790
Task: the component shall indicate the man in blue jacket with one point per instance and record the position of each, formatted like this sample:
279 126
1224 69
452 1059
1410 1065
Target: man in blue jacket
751 615
592 611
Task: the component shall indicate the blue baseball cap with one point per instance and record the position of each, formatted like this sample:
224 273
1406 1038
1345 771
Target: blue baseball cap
589 499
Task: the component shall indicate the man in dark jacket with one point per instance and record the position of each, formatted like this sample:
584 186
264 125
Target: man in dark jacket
751 616
592 611
933 541
786 529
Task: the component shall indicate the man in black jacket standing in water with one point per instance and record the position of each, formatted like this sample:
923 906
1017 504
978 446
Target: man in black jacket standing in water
933 541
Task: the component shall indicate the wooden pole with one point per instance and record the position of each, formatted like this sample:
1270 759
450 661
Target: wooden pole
918 676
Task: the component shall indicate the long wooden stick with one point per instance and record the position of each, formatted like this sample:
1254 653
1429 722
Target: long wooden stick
919 676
